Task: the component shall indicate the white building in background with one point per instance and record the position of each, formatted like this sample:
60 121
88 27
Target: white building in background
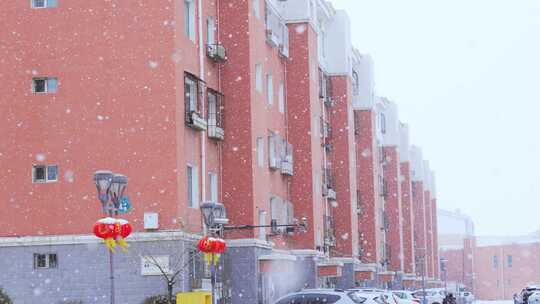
454 227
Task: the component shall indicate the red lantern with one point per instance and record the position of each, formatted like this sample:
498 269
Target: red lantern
126 230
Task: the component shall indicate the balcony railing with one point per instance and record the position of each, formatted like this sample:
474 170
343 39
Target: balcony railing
329 231
287 162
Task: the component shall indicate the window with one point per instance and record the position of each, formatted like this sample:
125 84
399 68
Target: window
215 109
262 222
509 261
272 155
258 77
191 96
44 3
213 184
269 89
210 30
192 187
44 85
44 173
383 123
260 151
495 262
45 260
256 8
189 19
355 83
281 98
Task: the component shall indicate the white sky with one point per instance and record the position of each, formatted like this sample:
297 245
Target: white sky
466 76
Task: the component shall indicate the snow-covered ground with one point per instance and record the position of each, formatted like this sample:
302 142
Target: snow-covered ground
494 302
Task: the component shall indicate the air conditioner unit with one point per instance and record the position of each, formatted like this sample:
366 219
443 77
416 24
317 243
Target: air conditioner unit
151 220
197 122
271 38
328 101
274 163
283 50
216 52
331 195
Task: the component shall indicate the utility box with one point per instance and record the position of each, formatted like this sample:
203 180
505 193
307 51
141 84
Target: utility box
195 297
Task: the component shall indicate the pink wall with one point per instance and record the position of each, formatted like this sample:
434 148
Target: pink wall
392 207
366 164
407 214
343 164
116 110
419 225
304 110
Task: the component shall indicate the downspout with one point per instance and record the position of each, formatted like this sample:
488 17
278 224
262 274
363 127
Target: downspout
220 144
203 101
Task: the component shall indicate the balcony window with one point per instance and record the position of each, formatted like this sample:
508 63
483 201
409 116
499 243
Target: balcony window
192 91
215 115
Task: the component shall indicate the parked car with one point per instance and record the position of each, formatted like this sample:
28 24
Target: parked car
526 293
432 296
405 297
328 296
467 296
385 296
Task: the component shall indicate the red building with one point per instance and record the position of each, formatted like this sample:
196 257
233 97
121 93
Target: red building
262 105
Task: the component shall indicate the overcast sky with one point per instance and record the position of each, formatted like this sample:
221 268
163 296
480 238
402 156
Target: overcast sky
465 75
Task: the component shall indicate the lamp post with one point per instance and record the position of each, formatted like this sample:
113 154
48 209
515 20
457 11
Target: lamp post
215 220
443 269
110 188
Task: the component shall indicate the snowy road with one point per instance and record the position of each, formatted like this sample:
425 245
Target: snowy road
495 302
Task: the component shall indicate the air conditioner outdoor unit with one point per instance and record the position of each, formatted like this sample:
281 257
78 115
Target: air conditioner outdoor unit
216 52
274 163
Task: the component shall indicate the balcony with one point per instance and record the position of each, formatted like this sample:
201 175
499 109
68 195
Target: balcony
328 184
287 163
215 115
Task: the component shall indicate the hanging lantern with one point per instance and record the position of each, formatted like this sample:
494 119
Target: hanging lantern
123 231
113 231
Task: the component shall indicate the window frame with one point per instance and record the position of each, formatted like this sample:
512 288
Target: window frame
269 89
46 178
281 97
260 151
258 78
47 89
213 186
192 187
215 118
50 260
189 19
210 30
256 8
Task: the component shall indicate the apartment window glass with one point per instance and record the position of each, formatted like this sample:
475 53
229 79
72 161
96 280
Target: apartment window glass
45 260
213 181
190 92
262 222
192 186
189 19
256 8
355 83
509 261
383 123
210 30
44 85
44 3
260 151
281 97
495 262
269 89
44 173
258 77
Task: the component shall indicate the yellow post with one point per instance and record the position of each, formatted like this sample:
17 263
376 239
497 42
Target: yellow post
195 297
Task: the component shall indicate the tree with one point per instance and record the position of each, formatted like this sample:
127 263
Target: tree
4 298
182 263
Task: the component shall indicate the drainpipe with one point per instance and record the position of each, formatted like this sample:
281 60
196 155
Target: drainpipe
203 100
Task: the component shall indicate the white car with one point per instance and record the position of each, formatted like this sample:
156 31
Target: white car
432 296
534 298
467 296
405 297
328 296
384 296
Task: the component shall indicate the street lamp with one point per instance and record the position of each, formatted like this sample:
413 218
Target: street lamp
110 190
443 269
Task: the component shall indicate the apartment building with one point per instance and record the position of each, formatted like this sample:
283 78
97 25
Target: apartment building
262 105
